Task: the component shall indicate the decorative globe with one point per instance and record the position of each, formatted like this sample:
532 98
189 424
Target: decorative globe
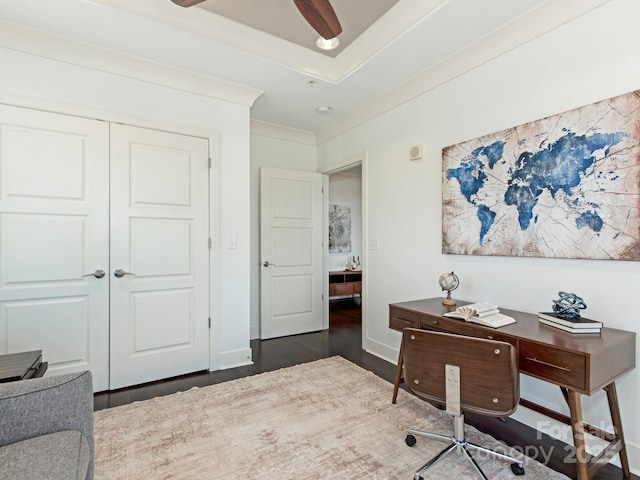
449 281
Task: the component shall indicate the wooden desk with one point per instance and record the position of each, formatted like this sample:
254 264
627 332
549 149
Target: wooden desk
579 364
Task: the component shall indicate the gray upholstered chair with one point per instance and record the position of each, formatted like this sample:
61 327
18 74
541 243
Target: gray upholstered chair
46 428
466 374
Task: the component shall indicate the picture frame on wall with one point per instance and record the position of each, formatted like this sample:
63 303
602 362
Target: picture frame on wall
339 229
565 186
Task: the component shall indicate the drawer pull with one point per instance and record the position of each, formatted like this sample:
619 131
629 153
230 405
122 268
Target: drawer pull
402 320
533 359
435 322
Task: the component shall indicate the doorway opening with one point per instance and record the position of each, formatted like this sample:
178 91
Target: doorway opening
345 258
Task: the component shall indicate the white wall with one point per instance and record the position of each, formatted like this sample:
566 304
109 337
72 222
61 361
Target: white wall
346 189
272 152
37 82
589 59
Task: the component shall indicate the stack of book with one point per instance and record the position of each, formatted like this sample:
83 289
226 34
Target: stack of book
571 325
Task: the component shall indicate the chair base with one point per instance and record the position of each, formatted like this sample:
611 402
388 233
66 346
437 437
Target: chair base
462 445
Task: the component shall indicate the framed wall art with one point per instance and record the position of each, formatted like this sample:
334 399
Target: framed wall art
339 229
566 186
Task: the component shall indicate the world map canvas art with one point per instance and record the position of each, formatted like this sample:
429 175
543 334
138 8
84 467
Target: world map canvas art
566 186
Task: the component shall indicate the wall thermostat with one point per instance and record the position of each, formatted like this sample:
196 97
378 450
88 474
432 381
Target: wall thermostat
415 153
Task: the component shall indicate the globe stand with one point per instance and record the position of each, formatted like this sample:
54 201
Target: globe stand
448 300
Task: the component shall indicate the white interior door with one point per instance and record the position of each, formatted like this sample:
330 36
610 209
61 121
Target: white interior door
159 255
291 252
54 181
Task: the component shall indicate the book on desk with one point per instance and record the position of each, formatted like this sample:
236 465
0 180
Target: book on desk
483 313
578 325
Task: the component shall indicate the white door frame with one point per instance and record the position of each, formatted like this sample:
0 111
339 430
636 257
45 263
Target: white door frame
338 166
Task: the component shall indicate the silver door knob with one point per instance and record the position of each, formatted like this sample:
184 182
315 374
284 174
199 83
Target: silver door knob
119 273
267 264
97 274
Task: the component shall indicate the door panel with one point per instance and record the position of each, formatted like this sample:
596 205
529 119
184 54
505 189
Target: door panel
159 236
54 179
291 244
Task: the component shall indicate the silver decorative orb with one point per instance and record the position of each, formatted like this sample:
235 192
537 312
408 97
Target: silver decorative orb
568 305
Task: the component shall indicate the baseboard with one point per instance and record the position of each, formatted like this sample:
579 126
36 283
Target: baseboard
562 432
235 358
381 350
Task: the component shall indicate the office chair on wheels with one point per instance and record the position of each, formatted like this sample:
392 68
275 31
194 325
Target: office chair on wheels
467 374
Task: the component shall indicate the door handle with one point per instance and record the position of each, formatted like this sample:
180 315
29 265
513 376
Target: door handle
267 264
119 273
97 274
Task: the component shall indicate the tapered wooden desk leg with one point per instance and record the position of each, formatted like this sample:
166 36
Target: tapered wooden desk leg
398 380
616 419
577 428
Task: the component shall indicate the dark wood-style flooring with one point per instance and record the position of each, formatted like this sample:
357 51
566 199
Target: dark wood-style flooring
344 338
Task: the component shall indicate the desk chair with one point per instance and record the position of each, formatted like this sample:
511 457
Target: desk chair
467 374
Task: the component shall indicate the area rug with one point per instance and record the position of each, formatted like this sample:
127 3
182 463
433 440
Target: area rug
328 419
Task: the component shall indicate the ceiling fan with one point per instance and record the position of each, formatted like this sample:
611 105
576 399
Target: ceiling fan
318 13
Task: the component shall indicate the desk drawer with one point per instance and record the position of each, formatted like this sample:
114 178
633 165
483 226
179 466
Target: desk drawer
553 365
461 327
400 319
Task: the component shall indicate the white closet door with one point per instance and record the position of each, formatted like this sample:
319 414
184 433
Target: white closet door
54 180
159 255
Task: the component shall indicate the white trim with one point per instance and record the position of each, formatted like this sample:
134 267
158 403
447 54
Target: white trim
254 332
235 358
382 351
519 32
272 130
325 251
402 17
214 253
21 39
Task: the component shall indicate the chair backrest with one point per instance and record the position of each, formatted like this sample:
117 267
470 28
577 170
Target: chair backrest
489 382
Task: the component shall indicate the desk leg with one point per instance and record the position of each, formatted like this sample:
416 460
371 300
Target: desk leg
577 428
398 380
588 469
614 408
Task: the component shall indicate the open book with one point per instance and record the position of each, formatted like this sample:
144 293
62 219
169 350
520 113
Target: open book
483 313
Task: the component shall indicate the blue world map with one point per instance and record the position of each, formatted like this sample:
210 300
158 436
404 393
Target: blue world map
560 166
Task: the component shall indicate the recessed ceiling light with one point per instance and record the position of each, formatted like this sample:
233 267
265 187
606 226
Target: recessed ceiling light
330 44
324 110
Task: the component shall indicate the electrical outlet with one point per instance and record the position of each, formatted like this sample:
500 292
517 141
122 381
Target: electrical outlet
233 241
374 244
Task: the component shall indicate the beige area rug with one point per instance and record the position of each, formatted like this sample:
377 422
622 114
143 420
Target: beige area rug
328 419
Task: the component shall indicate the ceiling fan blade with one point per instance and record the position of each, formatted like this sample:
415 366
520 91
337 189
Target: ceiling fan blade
321 16
187 3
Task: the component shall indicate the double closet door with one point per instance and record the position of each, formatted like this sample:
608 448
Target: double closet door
104 257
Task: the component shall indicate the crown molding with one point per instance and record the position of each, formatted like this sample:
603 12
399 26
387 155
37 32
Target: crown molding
25 40
396 22
533 24
272 130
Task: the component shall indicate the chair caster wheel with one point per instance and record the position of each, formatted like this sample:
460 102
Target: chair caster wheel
517 469
410 440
